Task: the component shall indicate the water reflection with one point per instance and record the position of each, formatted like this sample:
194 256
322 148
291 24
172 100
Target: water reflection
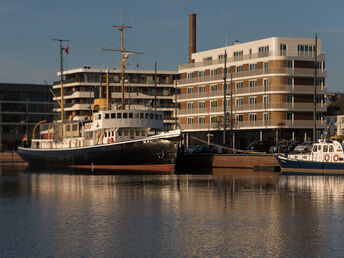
240 213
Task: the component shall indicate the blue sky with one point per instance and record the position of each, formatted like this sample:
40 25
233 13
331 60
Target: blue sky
160 30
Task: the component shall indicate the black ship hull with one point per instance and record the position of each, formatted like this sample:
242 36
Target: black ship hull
151 150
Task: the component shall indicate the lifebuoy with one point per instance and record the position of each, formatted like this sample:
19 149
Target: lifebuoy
335 158
327 157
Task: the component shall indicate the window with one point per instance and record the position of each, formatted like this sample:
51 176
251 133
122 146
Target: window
137 115
266 116
213 72
201 120
201 74
253 83
213 87
325 148
201 89
213 119
240 68
151 116
130 115
239 118
266 84
305 50
239 85
74 127
289 99
190 105
250 52
283 49
213 103
289 116
190 90
119 115
266 67
222 56
137 133
253 117
289 81
265 100
315 148
107 116
253 67
207 59
141 115
190 75
253 100
201 104
146 116
239 101
238 55
263 51
190 120
289 64
330 148
125 133
113 115
125 115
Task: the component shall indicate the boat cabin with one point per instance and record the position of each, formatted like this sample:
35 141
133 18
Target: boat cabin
323 151
107 127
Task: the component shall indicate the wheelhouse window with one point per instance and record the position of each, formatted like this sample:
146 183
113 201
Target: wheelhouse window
325 148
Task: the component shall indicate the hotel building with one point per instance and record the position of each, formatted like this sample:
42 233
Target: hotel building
269 91
83 85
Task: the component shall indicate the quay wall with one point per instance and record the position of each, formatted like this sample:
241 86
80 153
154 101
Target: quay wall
239 161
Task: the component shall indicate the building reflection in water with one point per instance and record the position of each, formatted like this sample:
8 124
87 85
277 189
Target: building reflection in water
251 213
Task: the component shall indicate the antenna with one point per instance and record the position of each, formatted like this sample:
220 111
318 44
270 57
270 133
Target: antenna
61 73
124 57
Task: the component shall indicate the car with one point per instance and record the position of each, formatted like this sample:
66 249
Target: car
284 147
259 146
303 147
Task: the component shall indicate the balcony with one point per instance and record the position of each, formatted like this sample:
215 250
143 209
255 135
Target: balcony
253 73
258 124
260 107
111 81
285 89
236 59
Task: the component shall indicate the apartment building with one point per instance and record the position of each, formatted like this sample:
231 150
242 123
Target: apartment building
269 91
83 85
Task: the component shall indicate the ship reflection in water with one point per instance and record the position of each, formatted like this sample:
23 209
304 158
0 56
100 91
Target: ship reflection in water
238 214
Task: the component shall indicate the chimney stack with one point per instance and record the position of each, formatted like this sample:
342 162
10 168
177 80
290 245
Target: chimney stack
192 36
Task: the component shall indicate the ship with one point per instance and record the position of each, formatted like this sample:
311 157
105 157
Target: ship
325 157
116 134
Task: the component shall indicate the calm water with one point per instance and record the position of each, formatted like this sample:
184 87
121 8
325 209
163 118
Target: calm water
248 214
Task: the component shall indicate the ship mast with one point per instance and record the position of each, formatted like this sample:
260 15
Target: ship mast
124 57
61 74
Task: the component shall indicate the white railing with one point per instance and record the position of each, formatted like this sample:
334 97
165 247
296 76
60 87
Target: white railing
235 75
276 124
306 89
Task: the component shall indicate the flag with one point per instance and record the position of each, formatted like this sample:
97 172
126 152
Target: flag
67 50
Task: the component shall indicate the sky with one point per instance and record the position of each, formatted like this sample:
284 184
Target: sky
160 30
